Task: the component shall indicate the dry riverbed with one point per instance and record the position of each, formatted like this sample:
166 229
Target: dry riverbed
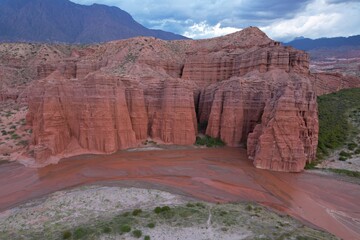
111 212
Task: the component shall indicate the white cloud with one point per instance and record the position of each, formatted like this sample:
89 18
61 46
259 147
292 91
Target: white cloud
319 19
204 30
282 20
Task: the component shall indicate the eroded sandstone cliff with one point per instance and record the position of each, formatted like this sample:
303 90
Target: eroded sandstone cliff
247 89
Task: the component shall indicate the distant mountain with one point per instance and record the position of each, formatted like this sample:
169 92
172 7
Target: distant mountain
65 21
336 42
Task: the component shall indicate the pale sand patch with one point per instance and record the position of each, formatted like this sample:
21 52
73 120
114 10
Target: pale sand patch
352 164
99 206
196 233
79 205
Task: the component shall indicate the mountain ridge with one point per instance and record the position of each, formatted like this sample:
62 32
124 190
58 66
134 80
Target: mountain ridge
335 42
67 22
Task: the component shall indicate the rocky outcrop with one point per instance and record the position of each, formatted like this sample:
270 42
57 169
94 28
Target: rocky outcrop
287 136
237 55
104 113
326 83
274 114
246 88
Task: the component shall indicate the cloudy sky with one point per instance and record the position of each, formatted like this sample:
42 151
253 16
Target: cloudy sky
282 20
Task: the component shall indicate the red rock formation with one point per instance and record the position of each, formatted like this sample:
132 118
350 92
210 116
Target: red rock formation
326 83
248 88
211 65
94 112
287 136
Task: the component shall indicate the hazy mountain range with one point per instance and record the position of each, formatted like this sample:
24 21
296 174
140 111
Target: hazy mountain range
329 43
65 21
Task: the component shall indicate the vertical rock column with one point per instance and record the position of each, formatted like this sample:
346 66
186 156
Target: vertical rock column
287 136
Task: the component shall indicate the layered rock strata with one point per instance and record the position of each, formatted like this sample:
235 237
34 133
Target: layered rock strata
326 83
248 89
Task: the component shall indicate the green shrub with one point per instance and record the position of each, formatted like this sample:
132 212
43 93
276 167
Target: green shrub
79 233
223 213
311 165
158 210
209 142
137 233
66 235
249 208
190 205
342 158
107 229
165 208
126 214
151 225
345 154
147 237
125 228
13 127
136 212
200 205
357 151
352 146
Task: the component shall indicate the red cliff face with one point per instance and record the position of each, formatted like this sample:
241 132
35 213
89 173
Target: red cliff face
247 88
326 83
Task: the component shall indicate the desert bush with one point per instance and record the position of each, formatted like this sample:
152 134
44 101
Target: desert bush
151 225
125 228
357 151
345 154
66 235
107 229
136 212
162 209
342 158
352 146
137 233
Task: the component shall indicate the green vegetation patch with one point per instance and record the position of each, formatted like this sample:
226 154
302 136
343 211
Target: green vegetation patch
225 217
209 141
335 109
344 172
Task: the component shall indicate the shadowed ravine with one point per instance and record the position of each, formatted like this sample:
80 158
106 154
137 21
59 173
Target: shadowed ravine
216 175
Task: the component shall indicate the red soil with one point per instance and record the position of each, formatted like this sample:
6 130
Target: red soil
216 175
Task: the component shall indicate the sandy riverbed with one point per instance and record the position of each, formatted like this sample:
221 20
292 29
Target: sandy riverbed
214 175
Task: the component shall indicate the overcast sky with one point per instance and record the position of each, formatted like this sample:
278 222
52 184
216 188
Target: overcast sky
282 20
